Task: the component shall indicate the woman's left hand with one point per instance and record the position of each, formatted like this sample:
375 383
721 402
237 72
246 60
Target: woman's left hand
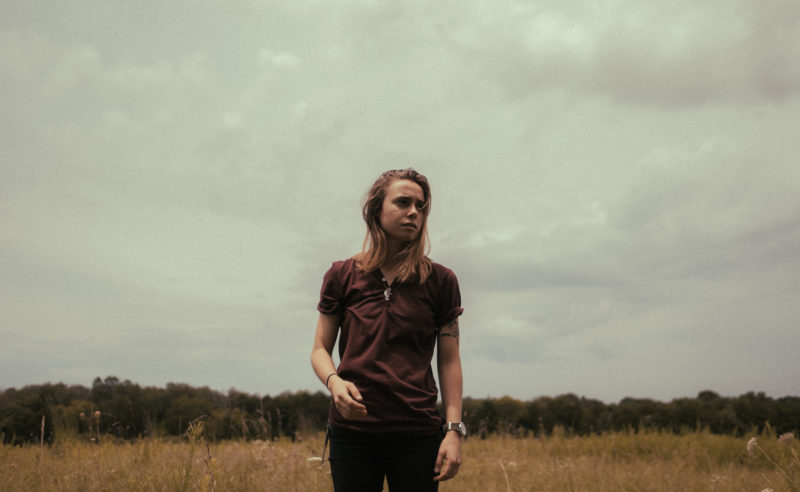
448 461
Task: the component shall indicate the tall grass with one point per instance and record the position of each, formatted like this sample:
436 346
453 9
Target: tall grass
628 461
647 461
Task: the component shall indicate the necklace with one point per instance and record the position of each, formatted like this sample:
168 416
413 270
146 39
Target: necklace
387 291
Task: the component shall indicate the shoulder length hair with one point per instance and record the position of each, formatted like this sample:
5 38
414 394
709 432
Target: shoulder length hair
414 262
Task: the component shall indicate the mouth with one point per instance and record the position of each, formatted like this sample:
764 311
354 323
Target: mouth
410 226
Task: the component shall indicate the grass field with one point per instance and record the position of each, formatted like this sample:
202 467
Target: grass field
613 462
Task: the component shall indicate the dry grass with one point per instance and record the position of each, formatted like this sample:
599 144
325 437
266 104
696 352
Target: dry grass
626 462
154 465
614 462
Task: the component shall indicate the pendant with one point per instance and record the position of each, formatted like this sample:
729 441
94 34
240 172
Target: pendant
387 292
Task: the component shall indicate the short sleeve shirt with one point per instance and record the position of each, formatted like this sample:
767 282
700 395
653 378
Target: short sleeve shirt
387 341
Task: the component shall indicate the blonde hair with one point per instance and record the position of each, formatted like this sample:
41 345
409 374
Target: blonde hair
414 262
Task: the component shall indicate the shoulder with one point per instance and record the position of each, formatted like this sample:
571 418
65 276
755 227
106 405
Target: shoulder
441 274
346 264
444 289
343 270
440 269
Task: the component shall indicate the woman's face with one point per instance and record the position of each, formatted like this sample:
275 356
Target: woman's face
402 216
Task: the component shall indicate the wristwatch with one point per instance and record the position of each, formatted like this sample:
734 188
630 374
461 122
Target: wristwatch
458 427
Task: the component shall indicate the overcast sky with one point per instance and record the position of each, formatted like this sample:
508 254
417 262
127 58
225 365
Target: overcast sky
615 183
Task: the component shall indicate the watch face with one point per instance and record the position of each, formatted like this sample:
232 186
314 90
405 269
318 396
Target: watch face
459 427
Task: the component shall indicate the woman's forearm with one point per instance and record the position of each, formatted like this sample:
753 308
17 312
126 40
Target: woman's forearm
451 382
322 363
324 340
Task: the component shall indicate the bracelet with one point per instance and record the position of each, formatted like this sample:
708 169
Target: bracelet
328 380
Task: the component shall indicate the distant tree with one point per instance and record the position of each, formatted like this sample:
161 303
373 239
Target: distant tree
244 401
754 410
565 410
128 411
182 411
510 414
487 419
786 417
634 414
595 416
103 390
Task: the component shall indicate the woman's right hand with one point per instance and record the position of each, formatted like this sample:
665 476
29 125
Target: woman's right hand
347 398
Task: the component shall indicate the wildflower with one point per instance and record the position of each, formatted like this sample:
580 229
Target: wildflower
97 413
751 445
786 438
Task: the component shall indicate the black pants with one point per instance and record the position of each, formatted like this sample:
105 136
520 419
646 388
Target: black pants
360 461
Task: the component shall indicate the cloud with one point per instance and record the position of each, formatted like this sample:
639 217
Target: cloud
650 53
614 184
278 60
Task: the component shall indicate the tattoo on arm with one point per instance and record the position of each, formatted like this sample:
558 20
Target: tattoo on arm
450 329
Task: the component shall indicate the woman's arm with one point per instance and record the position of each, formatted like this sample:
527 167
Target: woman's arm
345 395
450 380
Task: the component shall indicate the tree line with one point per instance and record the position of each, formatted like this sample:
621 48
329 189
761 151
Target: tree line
114 409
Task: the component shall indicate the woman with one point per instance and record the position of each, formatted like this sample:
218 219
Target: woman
392 305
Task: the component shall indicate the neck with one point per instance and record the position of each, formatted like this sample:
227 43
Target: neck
392 249
392 261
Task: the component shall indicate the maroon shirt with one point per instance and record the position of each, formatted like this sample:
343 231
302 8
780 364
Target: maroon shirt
386 346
